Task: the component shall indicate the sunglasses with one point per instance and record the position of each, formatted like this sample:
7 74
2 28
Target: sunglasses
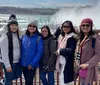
66 26
31 26
87 25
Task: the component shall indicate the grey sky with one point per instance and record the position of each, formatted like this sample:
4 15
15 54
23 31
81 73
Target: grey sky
45 3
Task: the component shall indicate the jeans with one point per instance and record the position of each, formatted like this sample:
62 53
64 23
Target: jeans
9 76
84 84
50 80
28 75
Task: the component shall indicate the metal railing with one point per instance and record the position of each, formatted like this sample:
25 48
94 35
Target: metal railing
37 80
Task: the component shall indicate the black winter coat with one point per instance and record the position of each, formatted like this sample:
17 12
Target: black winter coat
68 53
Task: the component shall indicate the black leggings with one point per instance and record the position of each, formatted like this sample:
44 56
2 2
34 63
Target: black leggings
28 75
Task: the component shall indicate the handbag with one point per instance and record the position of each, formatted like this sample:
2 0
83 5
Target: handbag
83 73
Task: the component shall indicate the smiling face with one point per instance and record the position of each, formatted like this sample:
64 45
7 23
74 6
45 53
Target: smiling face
44 32
66 28
13 27
85 27
31 28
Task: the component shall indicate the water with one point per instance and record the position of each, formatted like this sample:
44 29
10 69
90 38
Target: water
25 19
75 14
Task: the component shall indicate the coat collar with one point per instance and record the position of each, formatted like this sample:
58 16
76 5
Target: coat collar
94 36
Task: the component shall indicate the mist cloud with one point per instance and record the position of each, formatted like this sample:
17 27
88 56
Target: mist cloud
76 14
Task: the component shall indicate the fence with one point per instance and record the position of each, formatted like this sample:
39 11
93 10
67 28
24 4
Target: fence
37 80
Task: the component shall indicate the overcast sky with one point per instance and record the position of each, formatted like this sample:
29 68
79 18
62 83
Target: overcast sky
45 3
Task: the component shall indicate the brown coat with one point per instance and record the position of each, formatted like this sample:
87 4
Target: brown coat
91 56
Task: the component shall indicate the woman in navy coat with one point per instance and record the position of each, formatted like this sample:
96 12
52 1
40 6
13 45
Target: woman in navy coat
65 52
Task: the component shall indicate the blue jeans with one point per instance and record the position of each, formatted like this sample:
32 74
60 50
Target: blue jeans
84 84
9 76
50 80
28 75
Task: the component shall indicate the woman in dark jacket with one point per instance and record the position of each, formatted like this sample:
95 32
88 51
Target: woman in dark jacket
65 52
47 64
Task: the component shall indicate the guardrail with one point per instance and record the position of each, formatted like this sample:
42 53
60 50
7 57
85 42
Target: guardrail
37 80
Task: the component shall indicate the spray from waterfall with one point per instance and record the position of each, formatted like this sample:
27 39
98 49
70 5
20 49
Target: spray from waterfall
77 13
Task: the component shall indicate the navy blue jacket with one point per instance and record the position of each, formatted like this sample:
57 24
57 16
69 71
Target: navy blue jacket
68 53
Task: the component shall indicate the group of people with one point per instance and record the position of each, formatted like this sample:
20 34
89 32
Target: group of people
50 52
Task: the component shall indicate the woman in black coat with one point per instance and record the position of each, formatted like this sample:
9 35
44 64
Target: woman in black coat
65 52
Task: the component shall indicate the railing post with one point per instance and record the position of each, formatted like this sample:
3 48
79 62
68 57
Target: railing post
99 82
57 78
79 81
1 72
75 81
95 83
35 79
16 82
39 79
92 83
21 80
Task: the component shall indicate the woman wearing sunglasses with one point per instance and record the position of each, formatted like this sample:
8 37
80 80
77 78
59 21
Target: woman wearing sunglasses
65 52
31 52
89 48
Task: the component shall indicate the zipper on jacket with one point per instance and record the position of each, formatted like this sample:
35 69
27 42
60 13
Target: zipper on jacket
26 53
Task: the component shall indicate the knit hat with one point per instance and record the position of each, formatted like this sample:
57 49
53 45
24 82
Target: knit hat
12 22
87 20
35 22
12 17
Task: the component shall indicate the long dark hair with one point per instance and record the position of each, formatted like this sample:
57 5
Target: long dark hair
71 27
49 32
81 34
10 43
